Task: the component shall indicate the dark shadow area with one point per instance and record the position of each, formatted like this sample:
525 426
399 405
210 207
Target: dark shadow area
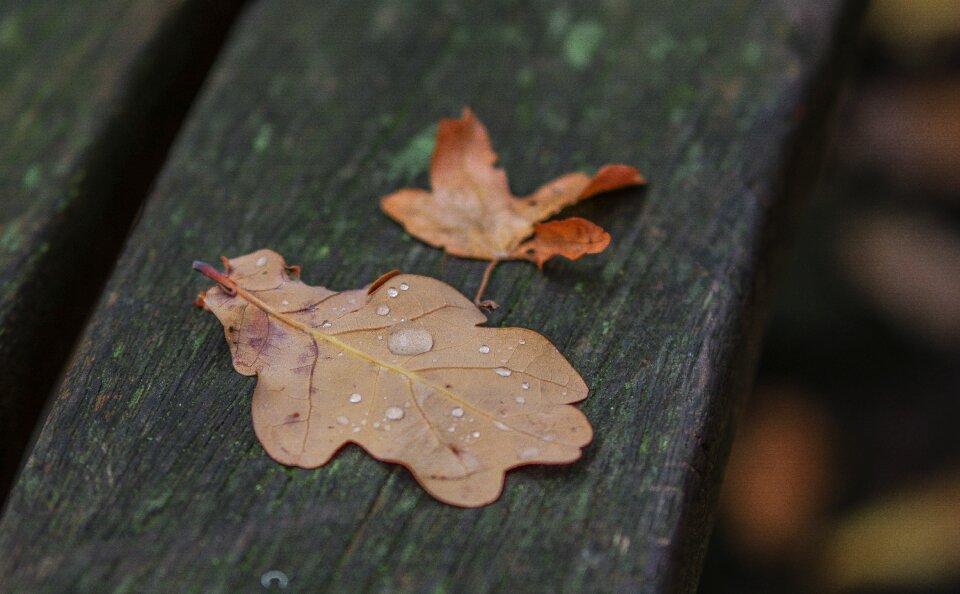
84 239
845 472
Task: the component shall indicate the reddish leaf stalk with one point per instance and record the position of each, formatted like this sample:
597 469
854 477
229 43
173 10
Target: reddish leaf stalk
229 287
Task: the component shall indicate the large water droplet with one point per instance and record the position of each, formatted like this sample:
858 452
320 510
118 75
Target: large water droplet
457 412
484 349
392 292
503 372
355 398
394 413
383 310
528 453
404 286
409 341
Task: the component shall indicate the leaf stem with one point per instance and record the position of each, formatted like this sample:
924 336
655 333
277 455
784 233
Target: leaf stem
229 287
483 285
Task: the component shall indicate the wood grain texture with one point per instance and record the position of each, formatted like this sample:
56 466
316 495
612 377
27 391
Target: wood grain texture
91 93
147 475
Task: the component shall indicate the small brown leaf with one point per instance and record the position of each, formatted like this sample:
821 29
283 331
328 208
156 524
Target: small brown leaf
570 238
472 214
401 369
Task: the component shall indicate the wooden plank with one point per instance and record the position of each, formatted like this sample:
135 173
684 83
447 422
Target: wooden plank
147 475
91 93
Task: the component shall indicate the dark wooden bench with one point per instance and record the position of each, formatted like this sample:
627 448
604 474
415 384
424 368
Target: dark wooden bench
145 473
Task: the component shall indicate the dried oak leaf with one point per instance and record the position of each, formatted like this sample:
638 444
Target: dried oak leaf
472 214
400 368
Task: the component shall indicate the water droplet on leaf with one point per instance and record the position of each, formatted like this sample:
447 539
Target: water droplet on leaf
409 341
528 453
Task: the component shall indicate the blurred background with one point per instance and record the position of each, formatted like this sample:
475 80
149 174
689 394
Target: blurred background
845 474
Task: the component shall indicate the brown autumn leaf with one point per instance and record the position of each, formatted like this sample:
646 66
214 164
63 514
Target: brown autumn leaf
399 368
472 214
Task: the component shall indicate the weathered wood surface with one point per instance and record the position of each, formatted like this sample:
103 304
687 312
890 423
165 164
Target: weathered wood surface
90 96
147 475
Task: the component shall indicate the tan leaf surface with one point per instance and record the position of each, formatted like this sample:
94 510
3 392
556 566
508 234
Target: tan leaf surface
404 372
472 214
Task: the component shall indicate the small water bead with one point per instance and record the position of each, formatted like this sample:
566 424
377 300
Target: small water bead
520 399
503 372
355 398
404 286
451 429
501 426
392 292
261 261
528 453
376 424
409 341
383 310
343 420
394 413
525 386
457 412
284 302
379 336
522 341
267 579
327 324
484 349
356 429
475 434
